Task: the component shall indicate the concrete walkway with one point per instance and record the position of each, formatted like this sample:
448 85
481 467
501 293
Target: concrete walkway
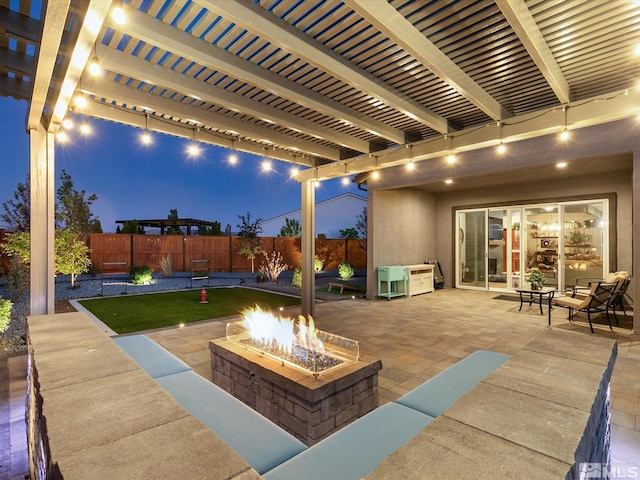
419 337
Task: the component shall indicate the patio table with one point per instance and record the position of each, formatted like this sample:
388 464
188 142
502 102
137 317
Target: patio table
536 296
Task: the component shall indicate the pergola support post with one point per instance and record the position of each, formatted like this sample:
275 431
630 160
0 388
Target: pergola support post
308 247
42 184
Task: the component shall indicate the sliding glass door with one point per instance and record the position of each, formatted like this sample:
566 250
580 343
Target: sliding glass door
472 247
585 242
497 247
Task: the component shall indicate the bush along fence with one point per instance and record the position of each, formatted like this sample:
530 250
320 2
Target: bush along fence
220 252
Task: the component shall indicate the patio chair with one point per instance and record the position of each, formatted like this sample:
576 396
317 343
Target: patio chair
617 299
598 300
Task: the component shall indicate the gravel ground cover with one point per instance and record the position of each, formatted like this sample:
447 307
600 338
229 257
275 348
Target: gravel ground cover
13 339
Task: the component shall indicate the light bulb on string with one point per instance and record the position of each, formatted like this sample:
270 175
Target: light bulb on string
345 181
67 123
375 175
94 67
193 150
94 64
85 128
501 148
80 101
146 138
451 158
564 135
293 172
117 13
266 166
62 136
410 165
232 159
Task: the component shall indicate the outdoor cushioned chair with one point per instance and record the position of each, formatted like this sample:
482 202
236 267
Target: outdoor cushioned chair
617 300
596 301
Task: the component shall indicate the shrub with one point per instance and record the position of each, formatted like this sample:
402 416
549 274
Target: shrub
165 265
297 278
140 275
317 265
273 267
5 314
345 271
17 279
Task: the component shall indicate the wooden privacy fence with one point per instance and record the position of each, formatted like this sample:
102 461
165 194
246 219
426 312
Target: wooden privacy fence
219 251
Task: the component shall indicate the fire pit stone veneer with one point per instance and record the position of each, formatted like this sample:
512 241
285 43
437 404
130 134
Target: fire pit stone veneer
308 406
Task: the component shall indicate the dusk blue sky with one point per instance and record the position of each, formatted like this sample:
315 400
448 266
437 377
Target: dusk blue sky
136 181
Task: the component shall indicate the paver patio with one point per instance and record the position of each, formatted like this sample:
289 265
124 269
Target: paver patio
419 337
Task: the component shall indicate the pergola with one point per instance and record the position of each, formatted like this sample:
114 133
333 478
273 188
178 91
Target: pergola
338 88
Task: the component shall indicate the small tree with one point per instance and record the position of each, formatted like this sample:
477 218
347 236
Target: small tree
71 255
17 211
73 210
350 232
291 228
249 247
249 243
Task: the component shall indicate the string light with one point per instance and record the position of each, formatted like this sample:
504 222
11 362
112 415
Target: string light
564 135
80 101
232 159
294 172
451 158
193 150
410 165
117 13
345 181
266 166
67 124
375 175
501 148
85 129
145 138
94 66
62 136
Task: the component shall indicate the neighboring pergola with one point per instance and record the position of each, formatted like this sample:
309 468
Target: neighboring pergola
166 222
336 87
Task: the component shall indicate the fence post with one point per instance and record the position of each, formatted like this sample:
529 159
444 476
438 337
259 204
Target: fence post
131 252
184 254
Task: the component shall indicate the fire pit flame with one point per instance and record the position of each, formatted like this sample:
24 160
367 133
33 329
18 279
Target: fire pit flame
296 342
281 333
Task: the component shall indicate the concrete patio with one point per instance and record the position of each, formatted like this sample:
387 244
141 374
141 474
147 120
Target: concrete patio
415 338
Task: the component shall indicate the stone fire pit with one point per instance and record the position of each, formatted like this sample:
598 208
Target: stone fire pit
310 403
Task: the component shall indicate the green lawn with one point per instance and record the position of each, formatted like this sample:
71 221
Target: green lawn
135 313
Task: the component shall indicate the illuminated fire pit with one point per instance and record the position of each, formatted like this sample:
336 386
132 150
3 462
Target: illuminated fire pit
296 343
309 382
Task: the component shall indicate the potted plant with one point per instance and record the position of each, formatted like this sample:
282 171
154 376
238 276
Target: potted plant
536 278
